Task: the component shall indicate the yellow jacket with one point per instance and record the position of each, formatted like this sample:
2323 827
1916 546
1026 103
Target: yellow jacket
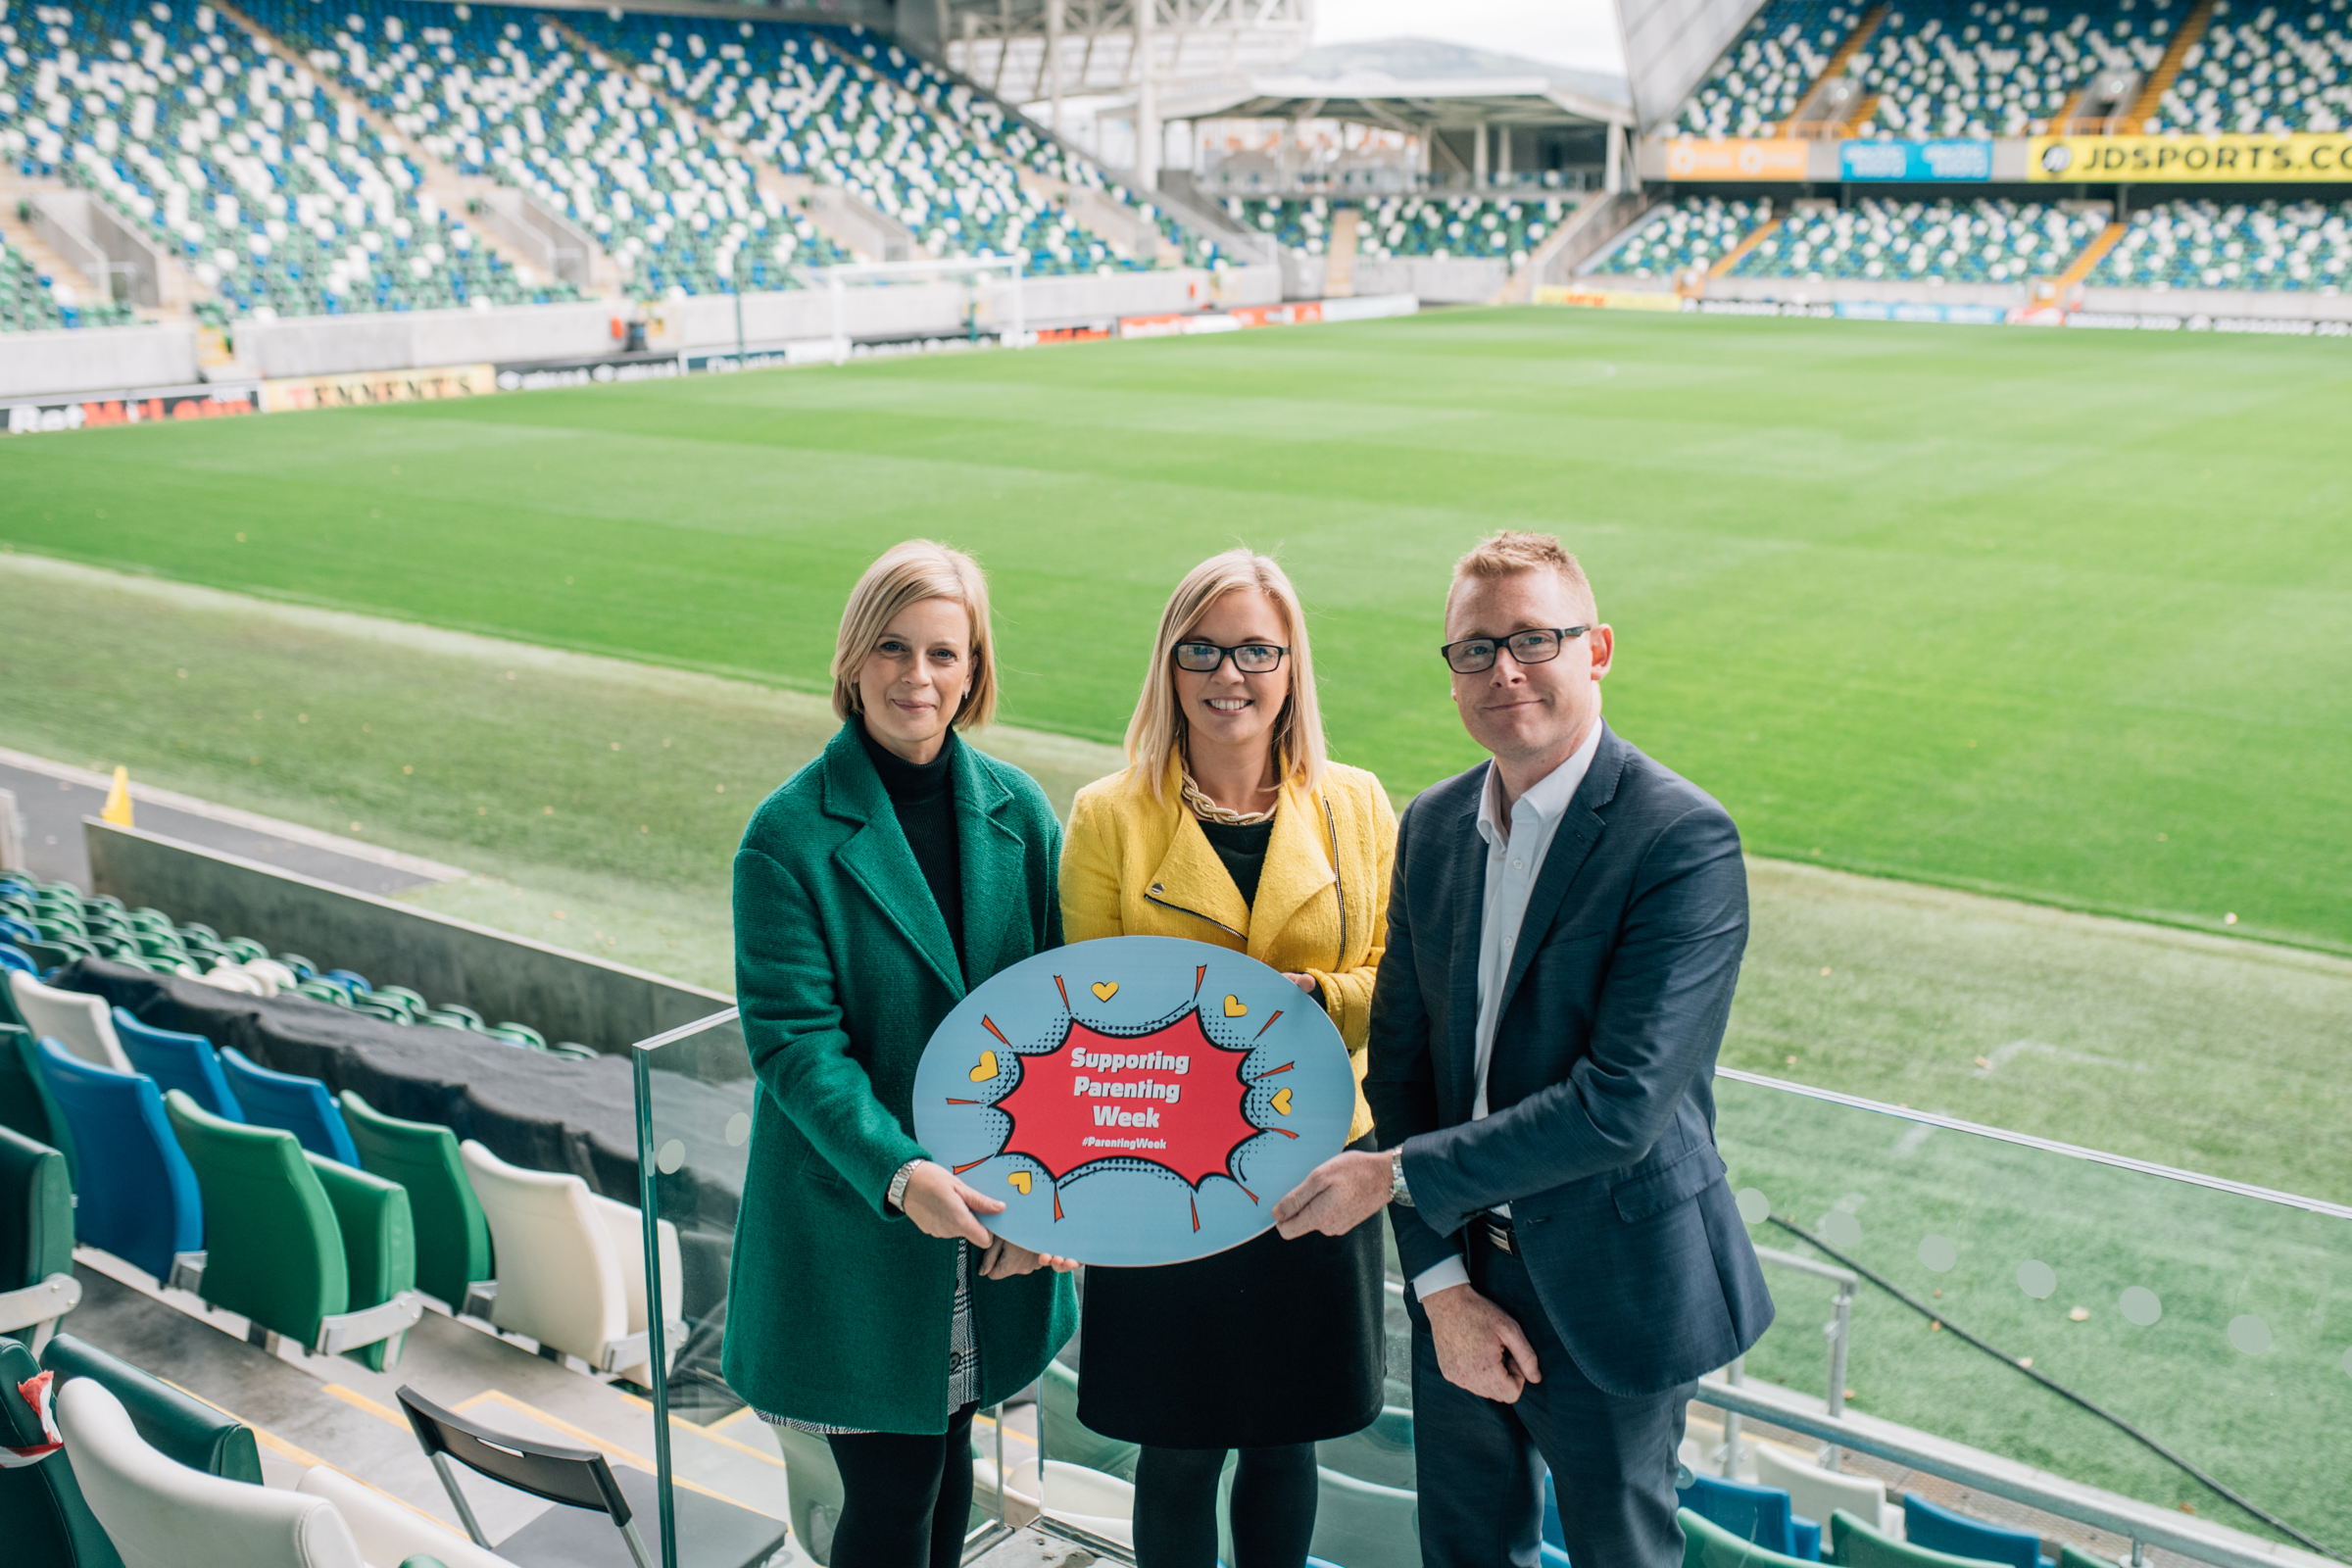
1135 865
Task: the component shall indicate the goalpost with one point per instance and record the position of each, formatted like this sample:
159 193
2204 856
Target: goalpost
836 280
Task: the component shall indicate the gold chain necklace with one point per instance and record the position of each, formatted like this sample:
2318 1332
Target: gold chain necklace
1209 810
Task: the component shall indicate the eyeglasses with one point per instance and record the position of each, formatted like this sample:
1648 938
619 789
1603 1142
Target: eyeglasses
1250 659
1536 645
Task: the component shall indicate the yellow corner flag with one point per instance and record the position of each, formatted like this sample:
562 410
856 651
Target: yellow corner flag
118 800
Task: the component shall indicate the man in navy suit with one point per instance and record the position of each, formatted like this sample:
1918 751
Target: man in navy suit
1565 930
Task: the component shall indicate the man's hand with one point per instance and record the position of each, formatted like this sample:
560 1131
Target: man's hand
942 1207
1337 1196
1480 1346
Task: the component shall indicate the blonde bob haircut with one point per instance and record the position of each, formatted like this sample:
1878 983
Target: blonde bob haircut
908 574
1155 736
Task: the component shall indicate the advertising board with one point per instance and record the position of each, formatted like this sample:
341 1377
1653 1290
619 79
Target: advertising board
2301 157
544 377
33 416
1915 161
1606 299
1736 157
367 388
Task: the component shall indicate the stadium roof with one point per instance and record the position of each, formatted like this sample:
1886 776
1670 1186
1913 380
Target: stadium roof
1415 83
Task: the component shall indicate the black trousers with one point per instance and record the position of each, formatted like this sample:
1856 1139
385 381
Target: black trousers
1480 1462
906 1500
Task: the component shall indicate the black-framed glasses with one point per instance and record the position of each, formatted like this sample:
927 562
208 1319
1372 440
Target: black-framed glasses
1250 659
1536 645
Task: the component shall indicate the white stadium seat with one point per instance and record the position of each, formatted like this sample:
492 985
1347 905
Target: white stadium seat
75 1021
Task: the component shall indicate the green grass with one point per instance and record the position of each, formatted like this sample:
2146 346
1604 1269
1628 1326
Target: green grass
2059 616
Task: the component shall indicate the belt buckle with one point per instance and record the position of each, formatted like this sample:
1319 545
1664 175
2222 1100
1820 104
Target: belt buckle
1500 1237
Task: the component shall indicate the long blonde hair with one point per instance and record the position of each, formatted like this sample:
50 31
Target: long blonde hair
1156 734
908 574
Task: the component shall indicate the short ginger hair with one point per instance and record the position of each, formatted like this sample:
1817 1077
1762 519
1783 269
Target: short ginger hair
1509 551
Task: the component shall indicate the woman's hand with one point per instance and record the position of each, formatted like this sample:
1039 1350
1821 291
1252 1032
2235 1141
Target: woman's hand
1006 1260
1306 983
942 1207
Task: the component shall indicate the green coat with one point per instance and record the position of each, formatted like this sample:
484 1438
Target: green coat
835 1312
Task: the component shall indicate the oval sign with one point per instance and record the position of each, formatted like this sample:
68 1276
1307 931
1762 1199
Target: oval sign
1135 1099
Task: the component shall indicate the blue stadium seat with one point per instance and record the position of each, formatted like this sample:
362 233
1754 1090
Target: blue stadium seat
177 1062
13 957
297 1105
1941 1529
1757 1514
138 1195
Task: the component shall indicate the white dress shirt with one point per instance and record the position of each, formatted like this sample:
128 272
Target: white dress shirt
1515 850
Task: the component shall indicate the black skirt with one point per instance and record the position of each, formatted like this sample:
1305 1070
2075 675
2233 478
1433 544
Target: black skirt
1265 1344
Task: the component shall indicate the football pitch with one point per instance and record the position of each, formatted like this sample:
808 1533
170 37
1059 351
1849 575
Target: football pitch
2059 616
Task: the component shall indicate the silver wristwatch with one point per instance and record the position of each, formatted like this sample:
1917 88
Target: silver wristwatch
1398 1192
896 1197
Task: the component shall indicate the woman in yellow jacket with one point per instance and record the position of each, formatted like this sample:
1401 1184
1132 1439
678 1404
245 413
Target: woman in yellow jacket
1230 826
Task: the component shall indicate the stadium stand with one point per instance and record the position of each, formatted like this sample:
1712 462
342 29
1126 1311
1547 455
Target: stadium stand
1408 226
36 1235
2275 70
1765 75
31 301
2246 245
269 192
1692 231
1959 242
2000 67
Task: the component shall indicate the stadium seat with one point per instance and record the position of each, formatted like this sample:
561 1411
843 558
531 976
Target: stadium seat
137 1198
1758 1514
1365 1525
453 1239
812 1482
1856 1544
1764 74
2288 246
184 1428
176 1061
78 1022
1942 1529
2264 71
321 1254
571 1269
1816 1493
26 1104
1923 241
389 1531
14 958
48 1523
2076 1557
1068 1438
595 1521
1088 1499
162 1514
301 1105
1691 233
36 1238
1707 1544
1390 227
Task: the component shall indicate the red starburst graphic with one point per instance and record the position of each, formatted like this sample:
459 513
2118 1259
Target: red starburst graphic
1169 1096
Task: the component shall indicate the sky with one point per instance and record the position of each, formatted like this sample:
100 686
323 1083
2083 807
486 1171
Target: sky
1565 32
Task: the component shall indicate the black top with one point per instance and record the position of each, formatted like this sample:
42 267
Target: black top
1243 851
923 794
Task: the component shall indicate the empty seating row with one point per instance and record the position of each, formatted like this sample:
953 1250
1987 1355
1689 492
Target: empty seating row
1690 233
2265 69
2001 67
1766 72
2243 245
50 924
1392 227
30 301
1923 241
274 194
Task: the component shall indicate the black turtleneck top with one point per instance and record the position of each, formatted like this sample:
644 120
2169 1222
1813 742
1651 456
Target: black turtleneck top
923 794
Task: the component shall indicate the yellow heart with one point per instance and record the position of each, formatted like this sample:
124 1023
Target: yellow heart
1234 1007
1104 990
1282 1101
1020 1181
987 1068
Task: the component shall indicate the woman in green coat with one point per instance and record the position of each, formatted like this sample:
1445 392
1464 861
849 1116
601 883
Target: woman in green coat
868 1302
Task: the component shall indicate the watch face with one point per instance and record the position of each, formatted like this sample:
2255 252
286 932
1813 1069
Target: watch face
1135 1099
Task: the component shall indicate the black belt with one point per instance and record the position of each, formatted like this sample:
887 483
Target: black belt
1497 1232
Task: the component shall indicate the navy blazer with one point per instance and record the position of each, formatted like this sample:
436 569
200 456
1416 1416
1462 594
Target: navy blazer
1601 1131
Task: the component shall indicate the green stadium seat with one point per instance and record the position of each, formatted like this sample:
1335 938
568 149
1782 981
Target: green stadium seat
2076 1557
37 1286
26 1104
453 1239
1856 1544
48 1521
184 1428
315 1250
1707 1544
